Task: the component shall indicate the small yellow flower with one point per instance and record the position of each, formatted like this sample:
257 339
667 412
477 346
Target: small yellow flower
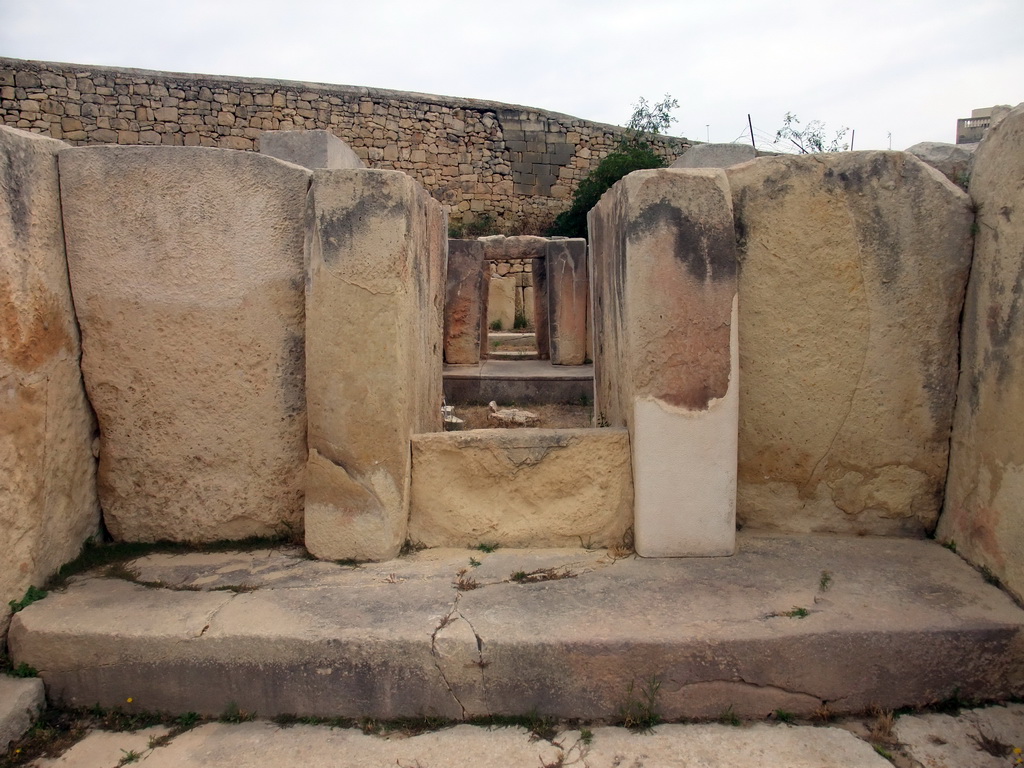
1017 750
130 699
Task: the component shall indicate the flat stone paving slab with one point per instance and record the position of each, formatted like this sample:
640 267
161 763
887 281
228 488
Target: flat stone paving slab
981 738
263 744
795 623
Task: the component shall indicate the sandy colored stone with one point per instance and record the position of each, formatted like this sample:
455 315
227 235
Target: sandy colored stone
853 271
568 299
310 149
262 744
106 749
521 488
952 160
186 267
47 469
902 623
663 263
465 306
374 334
984 506
715 156
21 700
501 302
944 741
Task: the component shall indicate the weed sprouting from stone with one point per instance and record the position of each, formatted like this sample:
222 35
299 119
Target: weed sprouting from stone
950 545
729 717
784 717
825 581
487 548
129 756
232 714
24 670
32 594
639 712
474 563
797 613
542 574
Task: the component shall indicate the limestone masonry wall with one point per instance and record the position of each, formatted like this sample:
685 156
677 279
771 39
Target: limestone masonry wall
518 164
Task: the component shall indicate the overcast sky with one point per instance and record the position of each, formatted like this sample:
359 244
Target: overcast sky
876 66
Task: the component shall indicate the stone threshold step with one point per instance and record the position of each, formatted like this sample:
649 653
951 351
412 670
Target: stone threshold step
796 623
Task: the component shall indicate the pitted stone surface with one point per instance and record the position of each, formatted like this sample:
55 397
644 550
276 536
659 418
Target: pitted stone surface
47 467
984 502
186 267
21 700
854 266
980 738
310 149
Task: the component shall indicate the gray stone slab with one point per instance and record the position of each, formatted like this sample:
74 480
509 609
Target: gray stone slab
21 699
980 738
896 623
310 149
715 156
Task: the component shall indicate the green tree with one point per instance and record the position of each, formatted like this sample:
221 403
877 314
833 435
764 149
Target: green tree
633 153
810 138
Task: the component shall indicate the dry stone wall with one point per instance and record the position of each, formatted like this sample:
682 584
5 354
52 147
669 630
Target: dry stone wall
516 165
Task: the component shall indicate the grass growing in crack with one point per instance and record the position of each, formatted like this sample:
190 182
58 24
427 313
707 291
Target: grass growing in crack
411 547
729 717
465 583
474 563
32 594
542 574
825 581
785 717
232 714
639 712
487 548
24 670
129 756
950 545
824 713
587 736
540 727
797 613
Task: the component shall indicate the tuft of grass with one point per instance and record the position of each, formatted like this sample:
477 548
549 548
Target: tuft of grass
465 583
410 547
586 736
232 714
824 713
487 548
32 594
729 717
950 545
825 581
495 324
883 751
539 726
128 757
797 613
474 563
639 712
785 717
24 670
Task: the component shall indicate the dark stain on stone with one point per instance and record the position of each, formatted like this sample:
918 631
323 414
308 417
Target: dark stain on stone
1001 333
293 374
338 230
707 251
15 184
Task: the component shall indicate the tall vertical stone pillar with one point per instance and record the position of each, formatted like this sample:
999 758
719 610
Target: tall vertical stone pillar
568 296
465 309
376 248
666 352
540 308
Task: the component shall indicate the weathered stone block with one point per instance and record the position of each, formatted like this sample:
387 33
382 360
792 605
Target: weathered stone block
465 309
21 700
854 266
664 283
715 156
984 506
47 469
310 149
376 254
568 288
521 488
187 272
501 301
952 160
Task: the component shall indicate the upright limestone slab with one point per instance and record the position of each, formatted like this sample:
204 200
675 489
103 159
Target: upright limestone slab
465 308
665 358
568 289
984 507
853 273
186 267
374 314
48 503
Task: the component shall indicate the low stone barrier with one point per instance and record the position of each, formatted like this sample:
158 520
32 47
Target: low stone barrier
521 488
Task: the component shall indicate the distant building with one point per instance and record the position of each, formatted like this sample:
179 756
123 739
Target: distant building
970 130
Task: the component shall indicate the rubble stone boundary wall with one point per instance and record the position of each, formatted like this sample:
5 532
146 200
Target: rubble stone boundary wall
518 164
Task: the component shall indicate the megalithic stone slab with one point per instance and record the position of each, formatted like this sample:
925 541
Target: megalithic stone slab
376 251
187 272
465 308
568 296
984 507
541 322
47 469
310 149
666 359
854 267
